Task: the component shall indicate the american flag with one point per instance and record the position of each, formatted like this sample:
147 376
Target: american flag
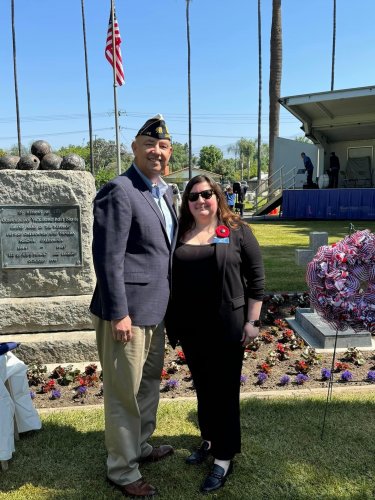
120 77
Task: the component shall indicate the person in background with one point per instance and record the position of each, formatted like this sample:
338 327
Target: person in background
309 167
333 172
218 272
176 197
133 239
239 191
230 197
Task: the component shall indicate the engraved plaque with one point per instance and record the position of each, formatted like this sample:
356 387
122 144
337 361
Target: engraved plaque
40 236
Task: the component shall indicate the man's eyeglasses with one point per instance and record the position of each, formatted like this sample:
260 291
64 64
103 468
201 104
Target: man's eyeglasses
206 195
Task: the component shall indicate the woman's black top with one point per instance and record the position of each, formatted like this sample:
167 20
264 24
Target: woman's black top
194 286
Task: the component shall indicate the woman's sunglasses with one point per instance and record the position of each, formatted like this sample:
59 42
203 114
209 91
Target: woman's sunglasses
206 195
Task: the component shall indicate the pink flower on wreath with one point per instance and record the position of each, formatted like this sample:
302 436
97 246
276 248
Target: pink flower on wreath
222 231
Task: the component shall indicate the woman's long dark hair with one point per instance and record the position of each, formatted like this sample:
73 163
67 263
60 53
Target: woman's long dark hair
224 214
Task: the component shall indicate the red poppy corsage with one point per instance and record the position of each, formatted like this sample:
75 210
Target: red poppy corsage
222 231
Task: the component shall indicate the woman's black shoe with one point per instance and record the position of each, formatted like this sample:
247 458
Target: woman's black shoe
198 456
216 478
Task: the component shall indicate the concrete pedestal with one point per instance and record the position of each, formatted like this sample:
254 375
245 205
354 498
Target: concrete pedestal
318 334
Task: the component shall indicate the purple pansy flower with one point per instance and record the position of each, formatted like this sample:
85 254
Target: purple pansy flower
262 377
326 373
171 384
301 378
346 376
55 394
285 380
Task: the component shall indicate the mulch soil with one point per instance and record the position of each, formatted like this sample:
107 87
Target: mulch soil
276 355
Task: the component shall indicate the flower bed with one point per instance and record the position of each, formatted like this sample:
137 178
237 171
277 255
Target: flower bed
276 360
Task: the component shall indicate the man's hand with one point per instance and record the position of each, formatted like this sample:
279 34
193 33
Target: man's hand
122 329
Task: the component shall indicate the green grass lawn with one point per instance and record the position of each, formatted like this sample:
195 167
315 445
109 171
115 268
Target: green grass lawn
279 239
283 456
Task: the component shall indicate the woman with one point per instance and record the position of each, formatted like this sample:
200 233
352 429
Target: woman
217 291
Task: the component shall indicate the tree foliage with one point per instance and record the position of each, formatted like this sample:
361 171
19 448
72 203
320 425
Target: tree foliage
227 168
83 151
302 138
104 154
14 150
180 156
246 151
104 175
210 157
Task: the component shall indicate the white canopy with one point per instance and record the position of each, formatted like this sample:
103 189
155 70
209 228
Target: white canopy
339 115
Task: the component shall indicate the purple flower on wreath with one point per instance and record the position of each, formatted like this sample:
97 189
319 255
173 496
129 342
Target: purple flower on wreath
346 376
301 378
371 376
262 377
243 379
55 394
285 380
32 394
326 373
171 384
81 390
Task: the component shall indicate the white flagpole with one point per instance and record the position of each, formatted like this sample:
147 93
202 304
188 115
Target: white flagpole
115 87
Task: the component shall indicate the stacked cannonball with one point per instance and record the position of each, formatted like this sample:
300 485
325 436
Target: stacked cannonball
42 158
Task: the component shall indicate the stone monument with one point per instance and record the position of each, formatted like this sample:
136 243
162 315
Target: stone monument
46 271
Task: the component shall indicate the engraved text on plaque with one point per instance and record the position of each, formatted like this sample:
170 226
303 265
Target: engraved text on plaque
40 236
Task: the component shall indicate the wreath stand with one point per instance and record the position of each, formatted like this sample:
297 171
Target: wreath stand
330 386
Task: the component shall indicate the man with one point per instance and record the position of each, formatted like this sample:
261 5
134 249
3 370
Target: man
134 234
239 191
334 168
309 169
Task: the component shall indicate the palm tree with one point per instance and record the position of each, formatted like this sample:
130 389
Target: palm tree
260 89
275 79
245 150
15 82
189 86
333 45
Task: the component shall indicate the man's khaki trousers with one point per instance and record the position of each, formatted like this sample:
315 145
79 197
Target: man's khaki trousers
131 384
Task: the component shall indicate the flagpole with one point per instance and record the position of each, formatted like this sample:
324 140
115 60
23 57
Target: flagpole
87 89
15 82
115 88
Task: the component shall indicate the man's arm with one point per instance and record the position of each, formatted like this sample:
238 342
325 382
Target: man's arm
112 222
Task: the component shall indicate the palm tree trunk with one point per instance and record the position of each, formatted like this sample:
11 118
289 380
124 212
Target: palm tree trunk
333 46
189 85
275 79
259 91
15 82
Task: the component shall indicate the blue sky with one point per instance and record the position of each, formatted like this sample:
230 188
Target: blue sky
224 66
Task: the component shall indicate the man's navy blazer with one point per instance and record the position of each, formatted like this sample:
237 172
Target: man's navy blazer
131 252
